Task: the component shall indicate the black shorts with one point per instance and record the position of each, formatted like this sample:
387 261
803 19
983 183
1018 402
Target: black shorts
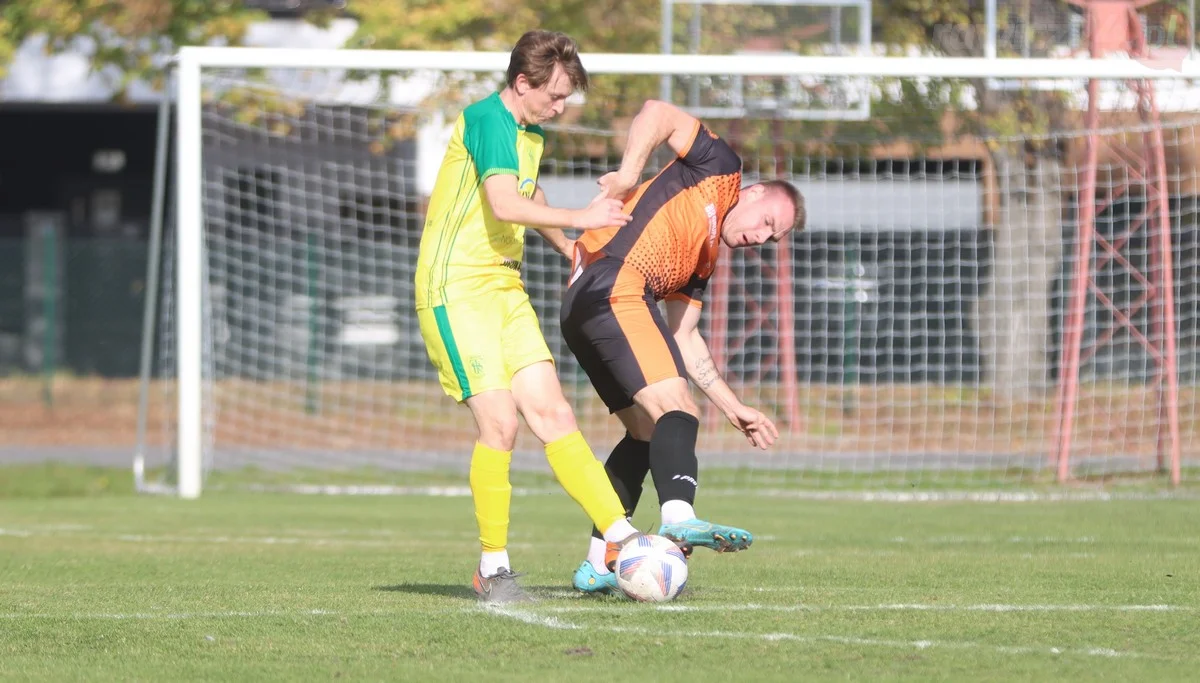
620 339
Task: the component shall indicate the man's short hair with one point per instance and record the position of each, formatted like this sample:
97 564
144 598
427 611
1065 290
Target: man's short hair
801 217
537 53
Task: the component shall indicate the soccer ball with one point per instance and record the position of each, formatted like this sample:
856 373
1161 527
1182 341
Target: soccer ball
651 569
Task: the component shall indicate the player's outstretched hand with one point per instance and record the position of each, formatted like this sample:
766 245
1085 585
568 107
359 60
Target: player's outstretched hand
617 185
758 428
602 212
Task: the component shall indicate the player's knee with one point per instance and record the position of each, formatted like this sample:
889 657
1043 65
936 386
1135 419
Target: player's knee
637 422
551 419
660 399
499 431
687 405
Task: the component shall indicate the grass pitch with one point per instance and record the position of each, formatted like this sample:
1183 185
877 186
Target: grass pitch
100 584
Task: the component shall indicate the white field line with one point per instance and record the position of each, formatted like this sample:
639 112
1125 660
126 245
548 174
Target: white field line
898 607
554 623
1041 540
957 496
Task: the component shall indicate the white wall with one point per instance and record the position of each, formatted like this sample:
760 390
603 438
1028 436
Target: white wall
861 205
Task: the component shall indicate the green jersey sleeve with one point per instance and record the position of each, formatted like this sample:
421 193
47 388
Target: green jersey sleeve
492 143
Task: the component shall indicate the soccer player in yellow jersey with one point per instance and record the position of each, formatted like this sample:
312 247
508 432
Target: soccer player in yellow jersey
479 328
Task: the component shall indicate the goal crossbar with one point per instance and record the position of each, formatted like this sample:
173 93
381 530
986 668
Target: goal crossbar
684 65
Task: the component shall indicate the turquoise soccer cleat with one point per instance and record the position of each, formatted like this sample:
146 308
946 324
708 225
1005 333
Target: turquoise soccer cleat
696 532
589 582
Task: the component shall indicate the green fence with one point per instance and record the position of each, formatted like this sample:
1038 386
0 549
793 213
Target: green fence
92 323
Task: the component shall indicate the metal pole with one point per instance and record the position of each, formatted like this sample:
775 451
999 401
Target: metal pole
694 30
153 264
1191 28
864 28
49 312
1073 337
666 38
191 286
835 28
850 330
989 44
310 399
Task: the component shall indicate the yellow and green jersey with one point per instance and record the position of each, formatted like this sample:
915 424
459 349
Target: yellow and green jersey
465 249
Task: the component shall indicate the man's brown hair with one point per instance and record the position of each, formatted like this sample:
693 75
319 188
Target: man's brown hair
536 54
801 217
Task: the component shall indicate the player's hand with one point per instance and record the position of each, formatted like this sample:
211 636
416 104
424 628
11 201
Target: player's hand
617 185
758 428
602 212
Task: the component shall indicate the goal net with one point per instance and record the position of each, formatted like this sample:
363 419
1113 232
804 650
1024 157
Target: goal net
918 333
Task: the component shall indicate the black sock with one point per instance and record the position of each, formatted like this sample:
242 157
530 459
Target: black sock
673 457
627 467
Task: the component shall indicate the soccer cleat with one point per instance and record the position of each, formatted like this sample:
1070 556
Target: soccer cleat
500 587
587 580
695 532
613 549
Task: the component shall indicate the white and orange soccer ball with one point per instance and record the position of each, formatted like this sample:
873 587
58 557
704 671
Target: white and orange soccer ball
651 569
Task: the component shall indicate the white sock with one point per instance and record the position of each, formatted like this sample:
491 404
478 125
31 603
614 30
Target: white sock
676 511
619 531
596 555
490 564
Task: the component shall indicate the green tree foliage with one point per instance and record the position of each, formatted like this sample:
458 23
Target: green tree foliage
127 38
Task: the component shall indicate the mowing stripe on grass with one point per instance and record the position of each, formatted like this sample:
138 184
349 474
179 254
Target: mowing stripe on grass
915 607
554 623
248 540
176 615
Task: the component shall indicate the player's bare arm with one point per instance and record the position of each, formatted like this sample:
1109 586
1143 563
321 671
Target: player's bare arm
555 236
684 321
656 123
510 206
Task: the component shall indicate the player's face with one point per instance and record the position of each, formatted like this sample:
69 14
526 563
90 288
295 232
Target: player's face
550 100
759 216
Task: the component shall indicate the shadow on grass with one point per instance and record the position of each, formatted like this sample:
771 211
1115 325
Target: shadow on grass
445 590
463 591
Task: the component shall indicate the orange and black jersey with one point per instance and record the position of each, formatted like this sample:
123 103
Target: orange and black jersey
674 236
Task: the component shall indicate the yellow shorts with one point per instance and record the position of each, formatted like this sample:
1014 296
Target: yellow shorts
478 345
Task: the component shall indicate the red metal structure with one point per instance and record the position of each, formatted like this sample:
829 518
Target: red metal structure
1114 26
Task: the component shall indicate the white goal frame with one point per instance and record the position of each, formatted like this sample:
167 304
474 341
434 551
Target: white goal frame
189 175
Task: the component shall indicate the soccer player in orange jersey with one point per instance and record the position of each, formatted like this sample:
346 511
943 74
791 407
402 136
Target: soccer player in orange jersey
639 362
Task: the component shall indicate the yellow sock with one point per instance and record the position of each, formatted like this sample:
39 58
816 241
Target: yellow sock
492 494
585 480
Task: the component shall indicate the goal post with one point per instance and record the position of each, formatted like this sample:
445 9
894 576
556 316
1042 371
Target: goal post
289 272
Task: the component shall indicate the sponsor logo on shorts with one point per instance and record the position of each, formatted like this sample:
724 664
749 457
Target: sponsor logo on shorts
511 264
527 188
476 366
